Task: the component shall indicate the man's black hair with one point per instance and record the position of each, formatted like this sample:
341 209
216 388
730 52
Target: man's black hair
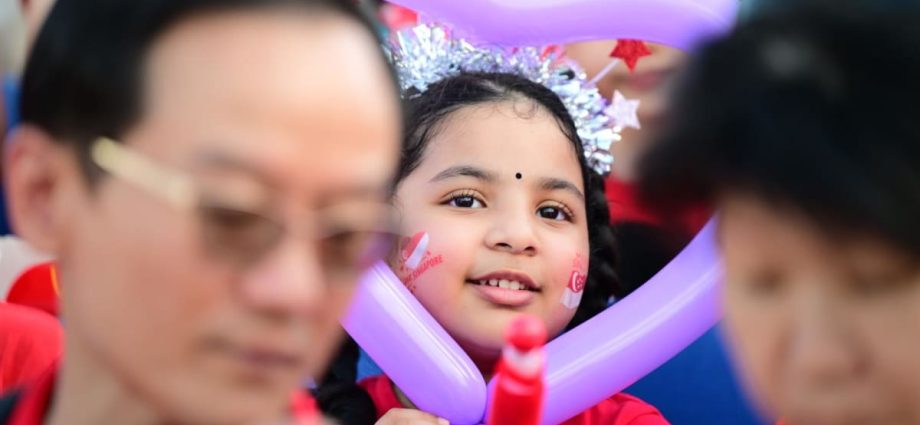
813 109
84 76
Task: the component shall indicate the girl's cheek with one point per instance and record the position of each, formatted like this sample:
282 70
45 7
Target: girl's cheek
416 259
575 287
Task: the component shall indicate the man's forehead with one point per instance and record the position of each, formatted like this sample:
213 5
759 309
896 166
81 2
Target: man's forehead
260 38
271 69
340 181
263 93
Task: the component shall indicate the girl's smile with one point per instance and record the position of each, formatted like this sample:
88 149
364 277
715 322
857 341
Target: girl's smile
506 288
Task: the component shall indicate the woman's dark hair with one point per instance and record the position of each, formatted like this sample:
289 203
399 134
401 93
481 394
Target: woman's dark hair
427 110
810 109
84 76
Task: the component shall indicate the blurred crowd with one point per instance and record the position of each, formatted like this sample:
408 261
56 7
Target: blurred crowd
193 188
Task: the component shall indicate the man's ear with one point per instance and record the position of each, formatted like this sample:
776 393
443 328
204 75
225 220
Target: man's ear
37 174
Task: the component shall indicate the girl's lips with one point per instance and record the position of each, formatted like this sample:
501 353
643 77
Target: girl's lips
503 296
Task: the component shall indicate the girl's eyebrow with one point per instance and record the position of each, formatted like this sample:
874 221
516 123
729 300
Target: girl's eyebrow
553 183
465 171
544 183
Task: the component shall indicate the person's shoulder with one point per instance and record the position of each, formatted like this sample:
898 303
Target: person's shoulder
620 409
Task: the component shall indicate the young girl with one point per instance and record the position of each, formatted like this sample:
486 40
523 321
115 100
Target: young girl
507 218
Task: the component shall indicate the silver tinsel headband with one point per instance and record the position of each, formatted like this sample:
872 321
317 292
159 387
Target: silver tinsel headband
426 54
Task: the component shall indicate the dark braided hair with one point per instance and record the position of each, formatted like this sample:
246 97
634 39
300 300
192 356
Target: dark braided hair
428 109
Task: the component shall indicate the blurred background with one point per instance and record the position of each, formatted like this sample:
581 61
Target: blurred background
696 387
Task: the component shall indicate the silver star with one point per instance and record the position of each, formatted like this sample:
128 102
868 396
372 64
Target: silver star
623 111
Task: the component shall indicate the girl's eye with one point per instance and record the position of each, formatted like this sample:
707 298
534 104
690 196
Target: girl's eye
465 201
554 213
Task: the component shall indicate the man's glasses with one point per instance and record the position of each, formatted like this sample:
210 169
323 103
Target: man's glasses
349 236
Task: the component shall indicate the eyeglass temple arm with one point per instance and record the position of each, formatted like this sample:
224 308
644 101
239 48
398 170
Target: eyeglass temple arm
123 163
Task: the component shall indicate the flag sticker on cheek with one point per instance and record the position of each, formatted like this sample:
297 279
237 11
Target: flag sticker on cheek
413 251
415 259
571 297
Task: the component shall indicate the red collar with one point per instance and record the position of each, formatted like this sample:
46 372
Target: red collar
33 402
380 388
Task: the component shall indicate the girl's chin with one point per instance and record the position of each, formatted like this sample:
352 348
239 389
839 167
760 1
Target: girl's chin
483 351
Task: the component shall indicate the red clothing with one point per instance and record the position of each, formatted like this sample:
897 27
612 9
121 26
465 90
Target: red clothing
33 402
621 409
37 287
30 343
624 205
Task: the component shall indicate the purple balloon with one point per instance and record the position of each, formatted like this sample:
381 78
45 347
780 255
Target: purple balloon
619 346
678 23
611 351
389 323
584 366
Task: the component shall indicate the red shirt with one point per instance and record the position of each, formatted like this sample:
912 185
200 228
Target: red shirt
30 342
621 409
33 402
32 405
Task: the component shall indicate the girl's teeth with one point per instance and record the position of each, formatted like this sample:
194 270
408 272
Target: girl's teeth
502 283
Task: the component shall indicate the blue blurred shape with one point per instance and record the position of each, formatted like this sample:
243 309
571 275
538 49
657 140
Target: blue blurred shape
698 387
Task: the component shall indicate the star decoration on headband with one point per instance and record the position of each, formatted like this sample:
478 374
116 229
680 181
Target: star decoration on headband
623 112
426 54
630 51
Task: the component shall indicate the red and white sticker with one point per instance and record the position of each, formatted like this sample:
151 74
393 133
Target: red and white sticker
571 298
414 251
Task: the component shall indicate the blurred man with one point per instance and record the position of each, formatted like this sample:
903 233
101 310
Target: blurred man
802 128
211 176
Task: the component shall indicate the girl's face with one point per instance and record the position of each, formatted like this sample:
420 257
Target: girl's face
496 214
